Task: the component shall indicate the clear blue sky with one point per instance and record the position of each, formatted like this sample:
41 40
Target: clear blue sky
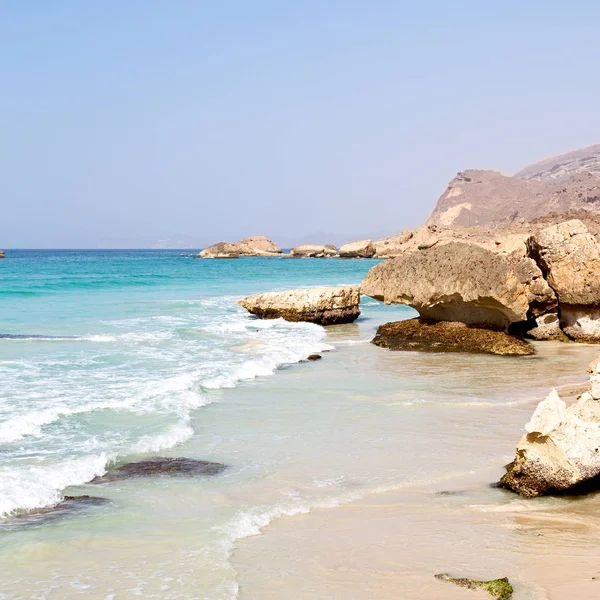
220 119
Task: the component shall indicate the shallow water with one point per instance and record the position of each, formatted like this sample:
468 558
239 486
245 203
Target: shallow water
161 360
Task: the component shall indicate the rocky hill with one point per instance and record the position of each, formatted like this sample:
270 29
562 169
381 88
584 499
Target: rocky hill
569 182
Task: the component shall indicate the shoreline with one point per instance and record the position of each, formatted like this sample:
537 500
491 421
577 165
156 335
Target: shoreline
354 551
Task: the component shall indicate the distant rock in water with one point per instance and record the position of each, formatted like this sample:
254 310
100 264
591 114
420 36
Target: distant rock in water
325 306
361 249
442 336
34 336
174 467
487 198
257 245
2 254
313 251
560 451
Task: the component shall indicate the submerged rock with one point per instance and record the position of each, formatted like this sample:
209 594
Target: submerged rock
325 306
497 588
181 467
314 357
465 282
446 336
560 451
66 505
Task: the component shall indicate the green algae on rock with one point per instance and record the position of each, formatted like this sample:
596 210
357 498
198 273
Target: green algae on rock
496 588
448 336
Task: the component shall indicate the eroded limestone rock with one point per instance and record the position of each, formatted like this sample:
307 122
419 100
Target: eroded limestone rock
313 251
325 305
560 450
360 249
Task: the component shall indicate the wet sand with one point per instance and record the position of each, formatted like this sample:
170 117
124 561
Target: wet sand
390 545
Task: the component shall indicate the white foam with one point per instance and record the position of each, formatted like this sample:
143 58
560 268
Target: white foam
177 434
36 487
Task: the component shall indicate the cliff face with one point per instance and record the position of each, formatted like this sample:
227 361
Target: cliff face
569 182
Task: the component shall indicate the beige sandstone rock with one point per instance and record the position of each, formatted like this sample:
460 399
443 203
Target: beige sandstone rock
361 249
220 250
313 251
257 245
325 305
561 447
466 282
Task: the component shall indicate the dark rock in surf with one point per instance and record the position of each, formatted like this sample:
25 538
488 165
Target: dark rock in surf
153 467
448 336
313 357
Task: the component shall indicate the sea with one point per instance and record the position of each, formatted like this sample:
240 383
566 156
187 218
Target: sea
109 357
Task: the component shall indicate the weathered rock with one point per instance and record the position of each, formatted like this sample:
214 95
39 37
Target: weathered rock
497 588
460 281
547 327
325 306
361 249
2 254
257 245
392 246
560 451
220 250
182 467
314 357
444 336
313 251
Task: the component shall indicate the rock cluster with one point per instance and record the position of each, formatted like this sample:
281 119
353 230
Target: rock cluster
560 451
544 282
325 305
257 245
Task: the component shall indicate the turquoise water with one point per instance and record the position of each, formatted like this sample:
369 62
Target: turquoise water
146 353
133 339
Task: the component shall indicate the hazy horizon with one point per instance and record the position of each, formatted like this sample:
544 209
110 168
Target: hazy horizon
213 122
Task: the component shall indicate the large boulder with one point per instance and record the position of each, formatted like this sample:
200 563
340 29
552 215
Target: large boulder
361 249
220 250
569 256
325 305
460 281
314 251
448 336
257 245
560 450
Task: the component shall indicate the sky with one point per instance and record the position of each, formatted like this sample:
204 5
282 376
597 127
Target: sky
223 119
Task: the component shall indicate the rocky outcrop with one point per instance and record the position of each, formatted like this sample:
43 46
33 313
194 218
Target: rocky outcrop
361 249
182 467
2 254
325 306
443 336
489 198
220 250
560 451
464 282
392 246
313 251
257 245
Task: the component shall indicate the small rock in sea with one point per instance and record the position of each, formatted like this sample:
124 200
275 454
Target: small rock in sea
448 336
324 305
181 467
496 588
313 357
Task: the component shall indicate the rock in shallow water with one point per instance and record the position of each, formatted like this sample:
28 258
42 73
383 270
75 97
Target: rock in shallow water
448 336
324 306
178 467
497 588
